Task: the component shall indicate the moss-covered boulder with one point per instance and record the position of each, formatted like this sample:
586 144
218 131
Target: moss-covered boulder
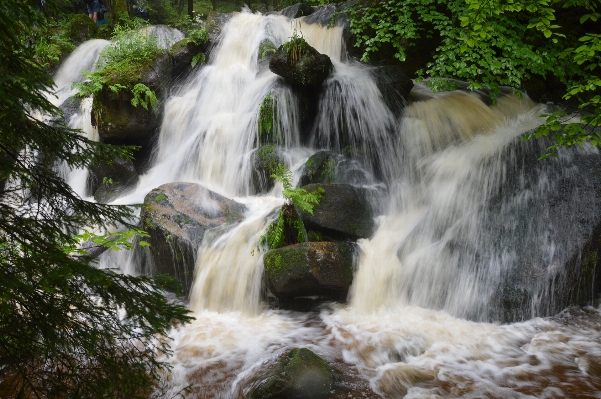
300 64
344 211
177 215
120 122
298 373
322 269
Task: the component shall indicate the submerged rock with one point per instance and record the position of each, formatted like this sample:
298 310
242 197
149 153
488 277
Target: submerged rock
177 215
298 373
323 269
344 211
300 64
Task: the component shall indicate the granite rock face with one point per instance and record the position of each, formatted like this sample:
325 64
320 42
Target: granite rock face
177 216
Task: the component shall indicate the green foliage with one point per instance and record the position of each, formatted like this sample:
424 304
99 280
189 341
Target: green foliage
198 59
144 96
493 43
67 328
121 63
266 49
266 116
300 198
200 37
295 47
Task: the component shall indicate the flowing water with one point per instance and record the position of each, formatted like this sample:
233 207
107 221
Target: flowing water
417 322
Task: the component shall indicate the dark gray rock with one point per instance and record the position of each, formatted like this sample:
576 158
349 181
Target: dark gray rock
109 180
264 162
344 211
297 373
329 167
323 269
311 68
182 54
177 215
394 85
297 10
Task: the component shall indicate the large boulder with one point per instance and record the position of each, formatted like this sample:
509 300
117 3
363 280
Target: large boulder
344 211
118 121
177 215
300 64
297 373
322 269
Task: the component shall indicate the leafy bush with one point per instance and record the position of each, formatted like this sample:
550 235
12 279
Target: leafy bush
491 44
121 64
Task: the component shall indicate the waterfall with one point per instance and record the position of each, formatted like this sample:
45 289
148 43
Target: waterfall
465 212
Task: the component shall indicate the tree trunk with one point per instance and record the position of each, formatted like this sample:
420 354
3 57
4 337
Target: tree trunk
190 9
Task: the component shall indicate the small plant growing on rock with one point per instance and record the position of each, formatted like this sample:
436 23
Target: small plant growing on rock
295 47
274 236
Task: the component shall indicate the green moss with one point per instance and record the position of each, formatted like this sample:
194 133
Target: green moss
160 197
267 118
314 236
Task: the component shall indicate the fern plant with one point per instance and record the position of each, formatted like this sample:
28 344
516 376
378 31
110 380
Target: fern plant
120 66
274 236
295 47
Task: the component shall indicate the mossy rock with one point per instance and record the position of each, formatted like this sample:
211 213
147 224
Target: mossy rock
299 374
322 269
264 161
310 69
182 55
118 121
344 211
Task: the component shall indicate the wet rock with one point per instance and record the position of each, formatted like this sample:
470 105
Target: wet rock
118 121
107 181
323 269
177 215
394 85
301 65
329 167
298 373
344 211
216 21
264 161
182 55
297 10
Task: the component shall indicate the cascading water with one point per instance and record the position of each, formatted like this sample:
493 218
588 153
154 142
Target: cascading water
433 272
